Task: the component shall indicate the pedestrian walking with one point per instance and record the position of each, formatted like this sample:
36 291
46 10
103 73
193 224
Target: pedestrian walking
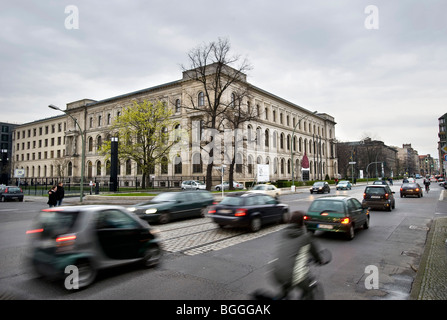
52 197
60 193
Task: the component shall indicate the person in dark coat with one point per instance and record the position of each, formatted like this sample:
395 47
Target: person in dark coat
52 196
60 193
291 268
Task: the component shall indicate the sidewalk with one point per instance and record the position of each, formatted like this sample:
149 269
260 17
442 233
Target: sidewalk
431 280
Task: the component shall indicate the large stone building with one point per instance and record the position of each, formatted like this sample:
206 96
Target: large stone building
6 151
52 148
442 144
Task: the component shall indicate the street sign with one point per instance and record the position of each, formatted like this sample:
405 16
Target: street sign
352 162
445 157
19 173
444 149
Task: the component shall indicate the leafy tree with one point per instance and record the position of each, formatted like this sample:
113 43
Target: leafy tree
143 134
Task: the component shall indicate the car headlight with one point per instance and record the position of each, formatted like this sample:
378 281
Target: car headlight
320 188
132 209
151 210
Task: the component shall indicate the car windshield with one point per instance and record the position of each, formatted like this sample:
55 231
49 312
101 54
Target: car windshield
260 188
56 222
318 184
327 205
13 189
343 182
232 201
199 182
409 185
167 196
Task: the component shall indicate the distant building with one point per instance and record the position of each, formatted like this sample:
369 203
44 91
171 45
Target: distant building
442 143
6 151
427 165
408 160
368 156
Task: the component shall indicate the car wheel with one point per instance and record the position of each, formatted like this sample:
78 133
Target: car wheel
217 189
285 217
164 218
3 199
203 212
366 224
350 234
87 273
255 224
152 256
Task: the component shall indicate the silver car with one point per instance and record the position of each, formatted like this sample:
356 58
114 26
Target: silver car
89 238
193 185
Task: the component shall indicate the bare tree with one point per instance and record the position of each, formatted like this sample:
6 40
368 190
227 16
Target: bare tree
217 71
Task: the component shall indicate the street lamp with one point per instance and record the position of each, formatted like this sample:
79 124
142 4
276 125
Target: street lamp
291 149
51 106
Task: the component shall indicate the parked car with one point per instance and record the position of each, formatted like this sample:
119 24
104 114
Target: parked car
268 189
249 210
337 214
379 196
168 206
193 184
412 189
90 238
320 186
226 186
8 193
344 185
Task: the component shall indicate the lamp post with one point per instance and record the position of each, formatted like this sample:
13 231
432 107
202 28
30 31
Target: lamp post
51 106
291 149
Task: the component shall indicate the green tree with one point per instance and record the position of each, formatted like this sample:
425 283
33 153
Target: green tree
143 134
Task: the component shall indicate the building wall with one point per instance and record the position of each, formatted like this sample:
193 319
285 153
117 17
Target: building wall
275 123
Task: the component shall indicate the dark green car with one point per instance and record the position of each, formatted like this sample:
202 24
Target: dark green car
337 214
168 206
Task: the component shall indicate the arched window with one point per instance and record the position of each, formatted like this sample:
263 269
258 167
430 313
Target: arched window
177 106
197 163
128 167
89 169
70 169
98 168
90 144
177 165
164 165
98 143
281 141
238 163
201 99
267 137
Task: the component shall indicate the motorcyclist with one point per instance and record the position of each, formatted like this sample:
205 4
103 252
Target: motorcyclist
291 268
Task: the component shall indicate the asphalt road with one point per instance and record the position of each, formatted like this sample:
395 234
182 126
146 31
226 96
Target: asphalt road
203 262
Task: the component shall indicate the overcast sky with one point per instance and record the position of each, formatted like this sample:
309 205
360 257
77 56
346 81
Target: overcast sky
385 78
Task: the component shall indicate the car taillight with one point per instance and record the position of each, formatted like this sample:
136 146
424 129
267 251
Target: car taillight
240 212
417 189
403 189
364 196
386 196
306 218
345 221
211 210
34 231
65 239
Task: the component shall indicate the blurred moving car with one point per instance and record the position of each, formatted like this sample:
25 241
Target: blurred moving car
8 193
379 196
380 182
168 206
267 189
412 189
250 210
337 214
320 186
90 238
193 184
226 186
344 185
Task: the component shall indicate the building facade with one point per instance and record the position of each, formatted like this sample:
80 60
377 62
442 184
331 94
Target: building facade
6 151
442 144
281 133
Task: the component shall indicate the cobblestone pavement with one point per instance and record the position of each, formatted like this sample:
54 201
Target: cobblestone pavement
201 235
433 283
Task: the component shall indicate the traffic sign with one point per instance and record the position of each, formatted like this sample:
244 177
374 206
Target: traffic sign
444 148
445 157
